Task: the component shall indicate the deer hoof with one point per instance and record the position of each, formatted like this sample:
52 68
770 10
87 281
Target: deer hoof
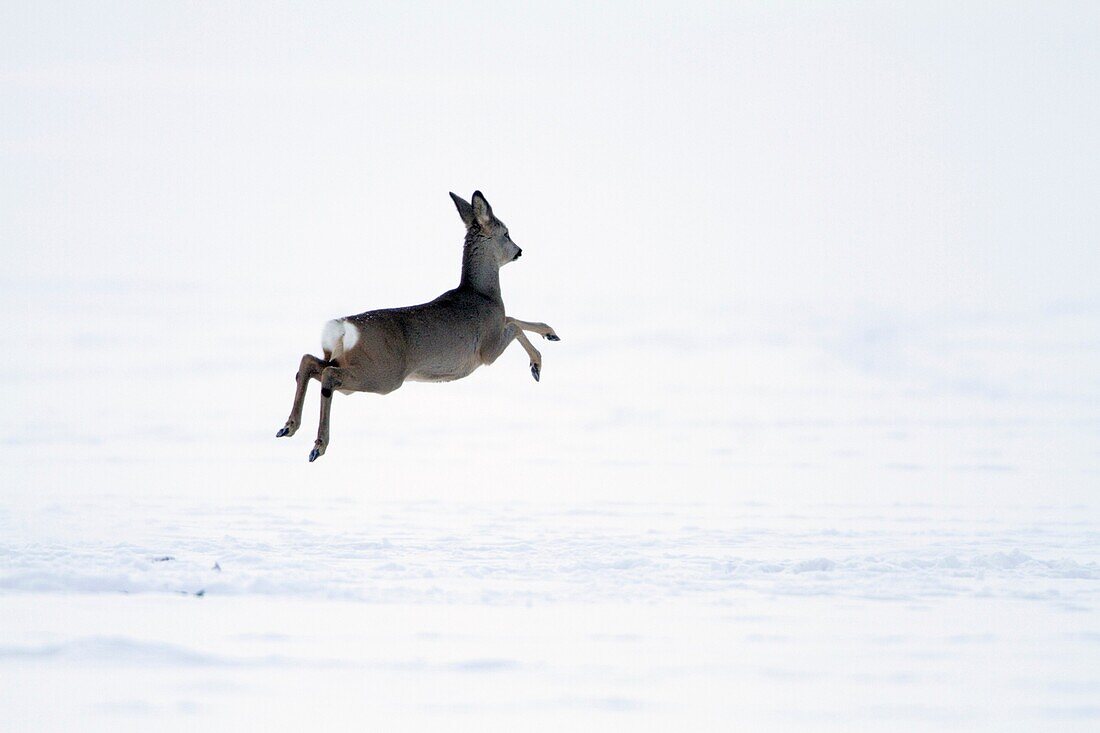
283 432
551 337
315 454
535 370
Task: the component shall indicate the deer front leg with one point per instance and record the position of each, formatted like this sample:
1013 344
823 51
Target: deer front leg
540 328
332 378
532 352
310 368
512 331
492 349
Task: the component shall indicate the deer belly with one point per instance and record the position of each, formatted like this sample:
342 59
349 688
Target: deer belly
444 370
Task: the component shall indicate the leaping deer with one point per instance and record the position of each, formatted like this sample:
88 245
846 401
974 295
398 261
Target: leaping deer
445 339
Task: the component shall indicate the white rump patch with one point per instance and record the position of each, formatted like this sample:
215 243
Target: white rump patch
351 335
339 336
332 335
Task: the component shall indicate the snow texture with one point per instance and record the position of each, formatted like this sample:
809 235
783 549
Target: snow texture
819 448
846 532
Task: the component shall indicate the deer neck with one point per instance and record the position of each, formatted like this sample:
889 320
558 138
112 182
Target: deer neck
479 271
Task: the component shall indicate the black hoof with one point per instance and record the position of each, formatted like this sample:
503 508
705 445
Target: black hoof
552 337
282 432
535 369
314 455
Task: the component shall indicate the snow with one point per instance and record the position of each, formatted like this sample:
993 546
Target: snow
819 447
521 553
842 532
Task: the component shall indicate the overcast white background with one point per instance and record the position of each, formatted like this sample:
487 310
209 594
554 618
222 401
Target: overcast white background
839 255
912 155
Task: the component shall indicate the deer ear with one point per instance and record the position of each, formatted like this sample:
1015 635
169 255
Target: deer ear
464 210
483 213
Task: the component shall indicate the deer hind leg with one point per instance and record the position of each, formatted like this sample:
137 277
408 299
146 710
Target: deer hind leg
332 378
310 368
540 328
346 379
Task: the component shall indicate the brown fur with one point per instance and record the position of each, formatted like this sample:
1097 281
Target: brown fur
445 339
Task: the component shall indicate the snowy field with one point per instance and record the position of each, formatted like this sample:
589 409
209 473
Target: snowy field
819 448
764 547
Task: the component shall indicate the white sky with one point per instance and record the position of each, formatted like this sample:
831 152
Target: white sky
783 152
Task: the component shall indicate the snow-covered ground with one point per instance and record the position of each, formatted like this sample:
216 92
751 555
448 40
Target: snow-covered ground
819 448
343 611
797 521
603 616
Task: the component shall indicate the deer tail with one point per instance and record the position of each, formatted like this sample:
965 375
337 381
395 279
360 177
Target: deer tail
338 337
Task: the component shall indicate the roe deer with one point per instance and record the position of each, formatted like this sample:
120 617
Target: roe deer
445 339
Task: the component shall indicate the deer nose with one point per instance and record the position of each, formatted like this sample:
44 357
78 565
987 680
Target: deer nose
518 253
